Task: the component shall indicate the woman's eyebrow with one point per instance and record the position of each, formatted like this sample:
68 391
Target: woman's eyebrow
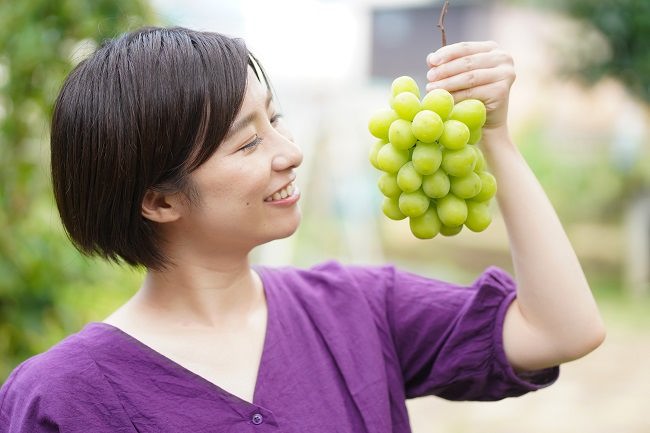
246 120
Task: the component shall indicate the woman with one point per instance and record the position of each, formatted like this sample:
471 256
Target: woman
168 152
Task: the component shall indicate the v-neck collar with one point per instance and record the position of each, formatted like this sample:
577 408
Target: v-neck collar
235 401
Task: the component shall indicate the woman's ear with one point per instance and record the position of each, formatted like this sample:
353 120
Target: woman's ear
161 207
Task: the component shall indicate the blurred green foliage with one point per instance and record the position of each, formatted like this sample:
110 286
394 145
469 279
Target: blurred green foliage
582 187
43 279
619 50
625 25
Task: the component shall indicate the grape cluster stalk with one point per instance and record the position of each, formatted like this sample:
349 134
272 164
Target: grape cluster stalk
433 172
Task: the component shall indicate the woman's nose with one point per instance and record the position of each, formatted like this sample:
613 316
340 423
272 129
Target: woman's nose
288 155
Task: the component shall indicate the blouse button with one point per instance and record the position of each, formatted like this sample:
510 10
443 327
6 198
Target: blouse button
257 419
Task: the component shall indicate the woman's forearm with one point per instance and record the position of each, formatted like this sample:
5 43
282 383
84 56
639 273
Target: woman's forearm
554 318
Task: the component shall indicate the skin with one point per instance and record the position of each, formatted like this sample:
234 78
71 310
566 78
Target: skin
209 298
554 318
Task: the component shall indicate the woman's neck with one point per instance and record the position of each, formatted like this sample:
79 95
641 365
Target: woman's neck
198 294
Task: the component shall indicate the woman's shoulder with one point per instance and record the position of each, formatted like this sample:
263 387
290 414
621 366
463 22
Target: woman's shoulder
331 274
376 285
63 387
62 358
55 362
63 370
330 286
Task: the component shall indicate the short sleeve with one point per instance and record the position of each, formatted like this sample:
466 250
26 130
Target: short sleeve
449 338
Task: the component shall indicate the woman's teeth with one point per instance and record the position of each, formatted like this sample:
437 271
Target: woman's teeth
283 193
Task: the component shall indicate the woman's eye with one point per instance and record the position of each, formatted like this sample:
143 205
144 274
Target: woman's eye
275 118
252 145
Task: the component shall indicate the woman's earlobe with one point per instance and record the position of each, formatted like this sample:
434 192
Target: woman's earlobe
160 207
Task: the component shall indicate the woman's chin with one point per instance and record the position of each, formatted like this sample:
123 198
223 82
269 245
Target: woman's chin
291 227
280 231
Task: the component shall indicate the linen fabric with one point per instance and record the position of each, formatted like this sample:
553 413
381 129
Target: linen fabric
345 346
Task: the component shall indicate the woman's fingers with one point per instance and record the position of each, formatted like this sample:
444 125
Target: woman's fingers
486 93
483 60
460 49
470 79
474 70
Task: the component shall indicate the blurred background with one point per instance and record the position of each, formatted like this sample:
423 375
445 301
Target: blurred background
579 113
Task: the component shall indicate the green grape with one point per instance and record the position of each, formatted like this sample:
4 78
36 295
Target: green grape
467 186
434 173
488 187
374 150
391 159
387 184
426 157
400 135
456 162
406 105
450 231
480 159
452 210
427 126
455 135
439 101
380 121
436 185
408 179
413 204
475 135
404 84
471 112
390 208
478 216
427 225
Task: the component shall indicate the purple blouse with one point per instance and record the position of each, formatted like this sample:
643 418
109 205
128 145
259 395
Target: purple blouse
345 347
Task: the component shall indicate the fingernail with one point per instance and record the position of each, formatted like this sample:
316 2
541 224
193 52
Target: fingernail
433 59
431 74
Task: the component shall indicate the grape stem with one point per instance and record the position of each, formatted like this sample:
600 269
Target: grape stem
441 22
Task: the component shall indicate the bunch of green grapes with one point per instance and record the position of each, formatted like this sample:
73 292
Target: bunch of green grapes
433 172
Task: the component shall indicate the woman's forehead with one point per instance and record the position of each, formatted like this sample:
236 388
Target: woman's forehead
256 91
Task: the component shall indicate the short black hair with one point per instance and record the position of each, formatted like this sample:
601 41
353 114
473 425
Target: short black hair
142 112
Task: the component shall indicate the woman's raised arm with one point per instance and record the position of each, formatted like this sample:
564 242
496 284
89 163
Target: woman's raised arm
554 318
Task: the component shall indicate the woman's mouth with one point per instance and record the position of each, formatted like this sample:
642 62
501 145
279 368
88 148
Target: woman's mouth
286 191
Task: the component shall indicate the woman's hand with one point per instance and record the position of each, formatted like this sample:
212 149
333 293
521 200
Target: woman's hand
478 70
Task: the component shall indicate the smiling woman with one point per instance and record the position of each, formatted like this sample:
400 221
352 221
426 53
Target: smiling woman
168 153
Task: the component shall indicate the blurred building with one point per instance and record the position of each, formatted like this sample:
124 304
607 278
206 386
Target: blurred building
400 33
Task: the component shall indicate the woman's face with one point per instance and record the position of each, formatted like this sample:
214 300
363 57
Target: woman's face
247 193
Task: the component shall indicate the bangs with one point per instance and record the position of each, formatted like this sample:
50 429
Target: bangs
226 93
211 79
